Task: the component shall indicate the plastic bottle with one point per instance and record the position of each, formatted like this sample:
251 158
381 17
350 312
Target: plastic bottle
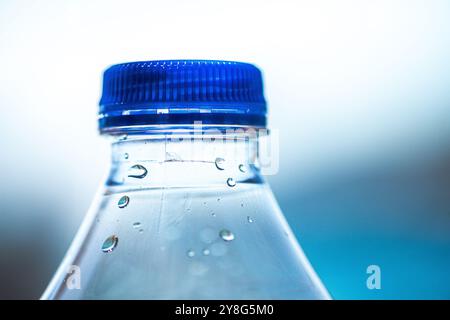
185 212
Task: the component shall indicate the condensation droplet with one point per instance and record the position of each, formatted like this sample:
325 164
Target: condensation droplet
220 163
126 156
137 225
231 182
137 171
123 202
191 253
206 252
249 219
226 235
141 230
242 168
110 243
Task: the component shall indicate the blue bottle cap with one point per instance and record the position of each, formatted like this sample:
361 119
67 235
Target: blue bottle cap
178 93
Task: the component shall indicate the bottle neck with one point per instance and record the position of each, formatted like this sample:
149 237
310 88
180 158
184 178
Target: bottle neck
177 160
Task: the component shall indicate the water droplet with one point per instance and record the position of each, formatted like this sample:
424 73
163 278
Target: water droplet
126 156
213 214
110 243
249 219
123 202
218 199
191 253
231 182
226 235
206 252
242 205
137 171
220 163
137 225
242 168
141 230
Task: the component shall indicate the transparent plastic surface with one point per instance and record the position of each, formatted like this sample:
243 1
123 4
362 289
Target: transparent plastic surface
185 219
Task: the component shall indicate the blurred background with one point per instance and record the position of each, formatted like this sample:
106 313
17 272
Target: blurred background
359 91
